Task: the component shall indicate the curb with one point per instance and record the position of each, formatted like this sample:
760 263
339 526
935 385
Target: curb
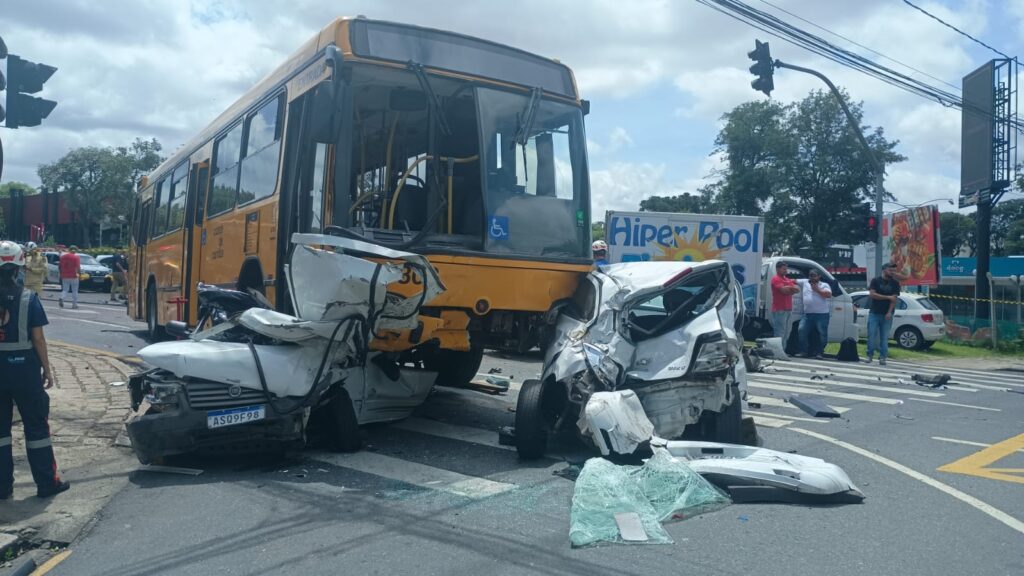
86 350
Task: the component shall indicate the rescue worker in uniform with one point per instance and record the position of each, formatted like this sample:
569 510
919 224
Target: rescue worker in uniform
600 250
24 378
35 268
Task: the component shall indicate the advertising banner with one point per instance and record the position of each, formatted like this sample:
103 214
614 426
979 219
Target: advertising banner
911 242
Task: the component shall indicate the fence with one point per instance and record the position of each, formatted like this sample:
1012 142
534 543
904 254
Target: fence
957 305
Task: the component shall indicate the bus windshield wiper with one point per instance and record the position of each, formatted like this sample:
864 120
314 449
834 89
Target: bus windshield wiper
527 117
435 104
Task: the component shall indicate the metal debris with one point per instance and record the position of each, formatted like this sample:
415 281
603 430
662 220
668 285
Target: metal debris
813 406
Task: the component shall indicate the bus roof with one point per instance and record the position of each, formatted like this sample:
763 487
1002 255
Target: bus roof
363 40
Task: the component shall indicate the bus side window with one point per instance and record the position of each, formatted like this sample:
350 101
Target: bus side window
142 233
262 151
176 197
226 153
160 209
203 175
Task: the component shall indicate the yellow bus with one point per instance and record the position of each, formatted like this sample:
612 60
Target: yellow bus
461 149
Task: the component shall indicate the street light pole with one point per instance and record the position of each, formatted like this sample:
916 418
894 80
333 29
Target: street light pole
875 163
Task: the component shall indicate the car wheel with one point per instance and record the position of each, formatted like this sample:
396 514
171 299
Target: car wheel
909 338
532 423
344 426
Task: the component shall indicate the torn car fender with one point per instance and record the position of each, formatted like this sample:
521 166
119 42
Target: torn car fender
616 422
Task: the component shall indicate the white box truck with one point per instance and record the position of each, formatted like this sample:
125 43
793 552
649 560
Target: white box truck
738 240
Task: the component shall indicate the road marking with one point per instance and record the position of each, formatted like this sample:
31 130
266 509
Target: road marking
771 422
121 326
941 486
965 442
957 373
893 378
770 401
873 387
788 417
977 464
955 404
829 393
51 563
452 431
417 474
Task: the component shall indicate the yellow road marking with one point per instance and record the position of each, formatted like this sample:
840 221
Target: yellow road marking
977 464
51 563
941 486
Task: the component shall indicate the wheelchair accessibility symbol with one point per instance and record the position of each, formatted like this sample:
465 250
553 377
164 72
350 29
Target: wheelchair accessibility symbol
498 229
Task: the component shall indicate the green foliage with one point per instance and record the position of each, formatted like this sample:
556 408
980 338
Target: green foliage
1005 216
7 187
597 231
701 203
956 233
802 167
1014 244
3 224
99 182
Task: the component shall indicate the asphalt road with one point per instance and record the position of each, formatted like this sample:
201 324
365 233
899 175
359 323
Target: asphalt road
436 494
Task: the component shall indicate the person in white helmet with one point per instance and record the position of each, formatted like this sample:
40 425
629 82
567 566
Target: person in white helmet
35 268
600 250
24 378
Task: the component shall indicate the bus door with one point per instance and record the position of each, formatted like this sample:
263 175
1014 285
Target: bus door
195 236
138 268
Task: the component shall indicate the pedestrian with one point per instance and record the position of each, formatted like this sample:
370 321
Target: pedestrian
24 378
120 265
815 295
883 292
70 271
35 269
600 250
783 289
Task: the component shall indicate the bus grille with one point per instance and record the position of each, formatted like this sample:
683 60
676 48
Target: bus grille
217 395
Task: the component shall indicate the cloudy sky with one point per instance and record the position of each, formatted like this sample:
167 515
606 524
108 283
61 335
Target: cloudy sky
659 73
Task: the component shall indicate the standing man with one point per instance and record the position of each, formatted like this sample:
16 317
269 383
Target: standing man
883 292
35 269
600 250
24 378
70 271
120 265
816 295
783 289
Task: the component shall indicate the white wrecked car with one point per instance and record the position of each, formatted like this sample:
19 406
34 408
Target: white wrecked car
258 377
668 331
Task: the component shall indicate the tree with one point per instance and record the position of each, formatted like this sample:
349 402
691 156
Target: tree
597 231
956 233
697 204
1014 245
1004 215
802 167
26 190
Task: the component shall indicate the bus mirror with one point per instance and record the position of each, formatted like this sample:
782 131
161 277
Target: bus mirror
402 100
586 106
324 117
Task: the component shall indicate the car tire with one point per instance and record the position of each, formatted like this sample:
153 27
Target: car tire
344 426
927 344
909 338
532 429
727 425
455 367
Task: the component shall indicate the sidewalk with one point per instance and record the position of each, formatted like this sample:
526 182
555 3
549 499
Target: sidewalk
86 415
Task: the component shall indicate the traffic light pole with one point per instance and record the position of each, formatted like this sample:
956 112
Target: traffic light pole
875 163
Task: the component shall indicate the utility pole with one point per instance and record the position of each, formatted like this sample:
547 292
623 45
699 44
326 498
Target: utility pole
764 67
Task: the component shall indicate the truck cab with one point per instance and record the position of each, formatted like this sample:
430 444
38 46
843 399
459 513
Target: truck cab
842 322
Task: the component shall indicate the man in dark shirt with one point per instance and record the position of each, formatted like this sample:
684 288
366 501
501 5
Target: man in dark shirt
883 292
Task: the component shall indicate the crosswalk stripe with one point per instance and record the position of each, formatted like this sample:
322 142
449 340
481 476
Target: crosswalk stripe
452 432
870 377
872 387
956 404
775 402
771 422
787 417
864 373
417 474
958 374
829 393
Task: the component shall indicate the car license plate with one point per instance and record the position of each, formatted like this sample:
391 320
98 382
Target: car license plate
232 416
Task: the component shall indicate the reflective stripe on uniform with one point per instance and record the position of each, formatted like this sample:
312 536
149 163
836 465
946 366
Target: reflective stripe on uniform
36 444
24 341
5 441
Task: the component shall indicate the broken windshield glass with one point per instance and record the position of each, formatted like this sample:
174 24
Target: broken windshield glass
683 301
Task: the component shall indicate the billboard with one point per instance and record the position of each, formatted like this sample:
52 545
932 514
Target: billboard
910 240
976 130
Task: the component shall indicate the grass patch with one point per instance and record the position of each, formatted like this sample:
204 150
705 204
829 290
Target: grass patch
938 351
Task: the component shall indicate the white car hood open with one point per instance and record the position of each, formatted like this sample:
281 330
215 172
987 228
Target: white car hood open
329 289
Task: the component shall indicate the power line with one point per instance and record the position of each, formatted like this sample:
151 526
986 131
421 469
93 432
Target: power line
954 28
859 45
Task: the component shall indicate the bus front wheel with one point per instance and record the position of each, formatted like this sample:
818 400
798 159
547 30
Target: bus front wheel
153 329
454 367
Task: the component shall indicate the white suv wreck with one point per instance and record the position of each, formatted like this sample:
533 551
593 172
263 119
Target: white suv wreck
667 332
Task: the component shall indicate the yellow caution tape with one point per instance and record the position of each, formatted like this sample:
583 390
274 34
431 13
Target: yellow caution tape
969 299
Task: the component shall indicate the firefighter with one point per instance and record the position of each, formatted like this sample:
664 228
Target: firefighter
35 268
24 378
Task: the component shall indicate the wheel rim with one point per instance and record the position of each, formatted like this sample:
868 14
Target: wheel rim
908 339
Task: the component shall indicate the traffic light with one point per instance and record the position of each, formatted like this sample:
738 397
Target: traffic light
869 223
24 78
762 68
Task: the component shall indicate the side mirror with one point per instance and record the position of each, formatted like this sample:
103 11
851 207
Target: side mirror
323 117
586 106
176 329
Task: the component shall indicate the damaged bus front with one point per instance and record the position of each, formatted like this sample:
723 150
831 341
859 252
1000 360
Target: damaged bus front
667 332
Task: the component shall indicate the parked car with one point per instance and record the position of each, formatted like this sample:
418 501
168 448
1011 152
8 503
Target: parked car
95 276
916 323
